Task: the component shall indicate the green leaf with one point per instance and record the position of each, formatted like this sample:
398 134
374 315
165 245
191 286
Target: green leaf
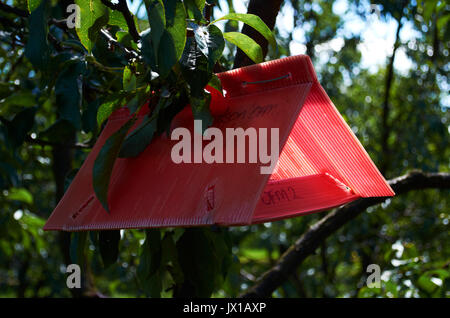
137 100
125 38
20 194
128 80
221 241
90 12
166 54
89 116
194 9
200 110
198 262
6 89
148 51
111 104
216 84
157 21
60 131
176 24
21 124
22 98
33 222
173 38
255 22
37 49
33 4
246 44
109 246
117 18
135 103
148 271
104 163
68 91
428 7
16 102
195 69
170 256
139 139
100 22
210 42
77 247
426 284
443 21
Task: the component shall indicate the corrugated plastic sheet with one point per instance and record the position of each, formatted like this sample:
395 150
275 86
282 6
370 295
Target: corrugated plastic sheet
321 165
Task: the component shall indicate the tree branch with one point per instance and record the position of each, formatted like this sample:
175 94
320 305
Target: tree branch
44 143
131 54
122 7
267 11
318 233
16 11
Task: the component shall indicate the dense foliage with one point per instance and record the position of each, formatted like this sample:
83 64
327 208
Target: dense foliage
59 85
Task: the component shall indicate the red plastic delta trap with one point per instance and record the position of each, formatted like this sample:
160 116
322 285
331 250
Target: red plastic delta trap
321 163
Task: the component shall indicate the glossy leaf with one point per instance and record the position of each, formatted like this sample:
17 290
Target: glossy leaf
68 91
210 42
246 44
157 20
194 9
37 49
173 38
90 12
176 24
117 18
255 22
139 139
104 163
108 107
195 69
148 50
